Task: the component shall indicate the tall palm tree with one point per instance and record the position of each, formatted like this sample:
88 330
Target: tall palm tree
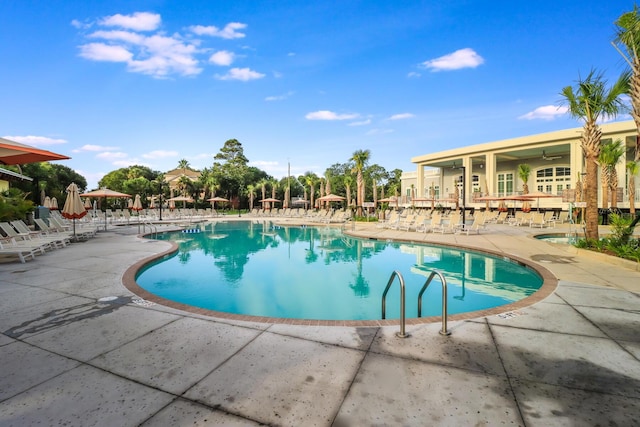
360 159
263 186
347 179
251 193
310 181
524 171
627 43
589 102
610 154
183 164
327 186
632 171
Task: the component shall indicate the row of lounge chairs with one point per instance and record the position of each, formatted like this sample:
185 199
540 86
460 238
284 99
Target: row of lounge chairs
19 241
325 216
434 222
124 216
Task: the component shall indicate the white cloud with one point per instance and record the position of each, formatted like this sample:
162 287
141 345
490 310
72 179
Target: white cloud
119 35
279 97
230 31
222 57
401 116
104 52
413 74
361 123
546 112
90 147
243 74
35 140
463 58
111 155
159 154
330 115
139 21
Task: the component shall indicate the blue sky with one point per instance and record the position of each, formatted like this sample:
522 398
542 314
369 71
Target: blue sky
117 83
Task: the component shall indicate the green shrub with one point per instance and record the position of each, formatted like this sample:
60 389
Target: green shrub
14 205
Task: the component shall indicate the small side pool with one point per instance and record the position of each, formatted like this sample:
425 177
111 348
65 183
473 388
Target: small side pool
566 239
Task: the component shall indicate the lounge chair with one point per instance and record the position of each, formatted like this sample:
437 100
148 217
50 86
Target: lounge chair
23 253
28 240
450 226
478 223
563 217
537 220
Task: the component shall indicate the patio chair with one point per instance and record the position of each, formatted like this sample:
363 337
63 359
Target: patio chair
478 223
23 253
27 240
537 220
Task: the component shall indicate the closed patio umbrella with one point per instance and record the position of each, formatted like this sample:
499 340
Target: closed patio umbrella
137 206
54 204
73 207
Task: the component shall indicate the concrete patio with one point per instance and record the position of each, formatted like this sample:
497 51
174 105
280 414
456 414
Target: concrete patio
70 358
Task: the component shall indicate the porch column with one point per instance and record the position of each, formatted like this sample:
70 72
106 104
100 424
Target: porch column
490 173
420 181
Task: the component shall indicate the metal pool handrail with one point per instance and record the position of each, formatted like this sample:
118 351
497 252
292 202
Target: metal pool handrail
395 274
434 273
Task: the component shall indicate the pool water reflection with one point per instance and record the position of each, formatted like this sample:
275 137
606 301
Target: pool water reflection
257 269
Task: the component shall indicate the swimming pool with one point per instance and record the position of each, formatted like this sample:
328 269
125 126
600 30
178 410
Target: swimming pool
565 239
298 272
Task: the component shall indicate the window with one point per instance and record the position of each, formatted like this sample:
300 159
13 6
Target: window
553 180
505 184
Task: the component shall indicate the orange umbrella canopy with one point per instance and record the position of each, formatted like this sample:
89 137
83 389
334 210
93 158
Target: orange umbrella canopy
14 153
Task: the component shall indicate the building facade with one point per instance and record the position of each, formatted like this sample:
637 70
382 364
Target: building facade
491 169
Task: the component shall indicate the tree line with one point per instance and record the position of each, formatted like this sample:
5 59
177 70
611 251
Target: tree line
231 177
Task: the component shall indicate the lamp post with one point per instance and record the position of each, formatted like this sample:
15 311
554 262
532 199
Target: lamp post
464 189
160 201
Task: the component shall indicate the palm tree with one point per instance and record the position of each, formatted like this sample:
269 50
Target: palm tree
589 102
627 43
310 181
183 164
263 186
610 154
632 171
377 173
360 159
327 185
524 171
251 193
347 179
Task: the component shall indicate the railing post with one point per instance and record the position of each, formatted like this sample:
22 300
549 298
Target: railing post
402 333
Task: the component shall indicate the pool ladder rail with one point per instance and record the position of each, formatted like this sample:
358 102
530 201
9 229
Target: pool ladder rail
402 333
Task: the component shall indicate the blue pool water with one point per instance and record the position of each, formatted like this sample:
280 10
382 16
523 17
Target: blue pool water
558 238
258 269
